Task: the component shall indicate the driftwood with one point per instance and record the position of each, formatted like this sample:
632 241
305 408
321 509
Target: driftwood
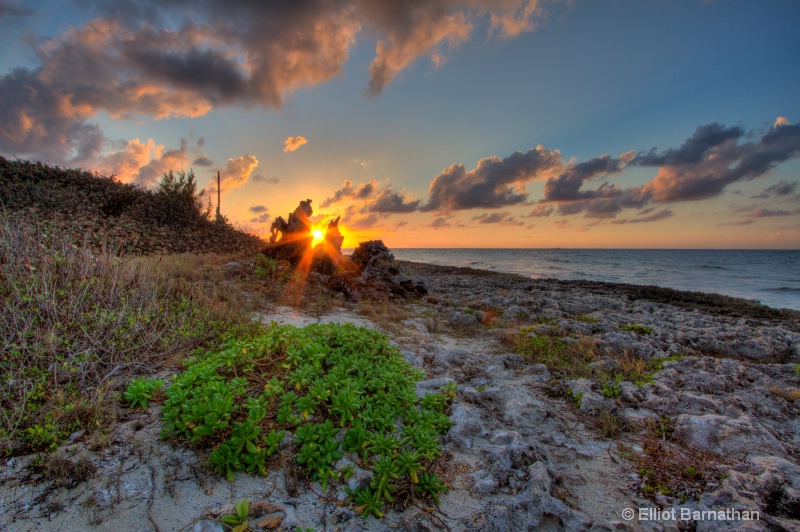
372 272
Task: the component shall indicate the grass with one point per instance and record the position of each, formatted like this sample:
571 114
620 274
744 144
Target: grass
76 323
571 358
641 330
673 470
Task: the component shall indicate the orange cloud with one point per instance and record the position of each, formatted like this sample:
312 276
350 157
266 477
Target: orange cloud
143 162
292 143
235 174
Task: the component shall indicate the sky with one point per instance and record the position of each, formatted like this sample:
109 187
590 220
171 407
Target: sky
430 123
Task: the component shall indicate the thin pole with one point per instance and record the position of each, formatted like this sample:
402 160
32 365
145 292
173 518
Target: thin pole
219 212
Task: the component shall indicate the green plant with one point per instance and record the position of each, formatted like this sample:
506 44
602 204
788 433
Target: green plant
583 318
339 388
430 486
265 267
575 398
637 328
238 521
611 390
797 369
142 390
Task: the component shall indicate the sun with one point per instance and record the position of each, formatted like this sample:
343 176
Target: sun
317 234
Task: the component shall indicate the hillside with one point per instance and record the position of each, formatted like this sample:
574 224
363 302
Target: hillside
102 211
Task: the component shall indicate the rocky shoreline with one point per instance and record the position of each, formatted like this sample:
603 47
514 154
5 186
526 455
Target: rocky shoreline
716 405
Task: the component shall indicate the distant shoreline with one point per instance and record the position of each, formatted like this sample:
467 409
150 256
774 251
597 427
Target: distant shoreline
712 303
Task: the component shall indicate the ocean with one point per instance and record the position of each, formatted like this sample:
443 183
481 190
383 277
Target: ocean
771 277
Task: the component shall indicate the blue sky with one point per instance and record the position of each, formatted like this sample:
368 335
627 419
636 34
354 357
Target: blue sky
139 87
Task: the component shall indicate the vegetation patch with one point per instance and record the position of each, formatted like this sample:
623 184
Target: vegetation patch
571 358
76 322
641 330
669 469
339 389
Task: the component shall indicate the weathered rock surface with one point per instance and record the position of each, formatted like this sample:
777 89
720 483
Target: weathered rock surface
520 458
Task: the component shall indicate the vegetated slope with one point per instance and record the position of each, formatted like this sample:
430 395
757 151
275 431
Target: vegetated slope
103 212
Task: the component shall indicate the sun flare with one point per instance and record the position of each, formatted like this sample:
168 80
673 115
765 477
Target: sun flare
317 234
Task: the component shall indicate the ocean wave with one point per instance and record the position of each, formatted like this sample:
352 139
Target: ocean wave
782 289
710 267
472 262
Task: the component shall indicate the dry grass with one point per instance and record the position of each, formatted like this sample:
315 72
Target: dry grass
387 314
76 323
609 424
789 394
674 470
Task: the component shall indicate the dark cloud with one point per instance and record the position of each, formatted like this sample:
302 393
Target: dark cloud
9 9
438 222
738 222
695 149
389 202
768 213
504 218
567 186
262 219
493 183
367 222
258 178
258 209
713 159
541 210
779 189
658 215
36 118
178 58
203 161
362 191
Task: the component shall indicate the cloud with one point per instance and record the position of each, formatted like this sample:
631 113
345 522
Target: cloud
778 189
503 218
235 174
541 210
258 209
159 59
567 186
517 19
439 221
363 223
713 158
493 183
8 9
658 215
387 201
144 162
768 213
203 161
292 143
362 191
373 198
261 219
739 222
258 178
708 161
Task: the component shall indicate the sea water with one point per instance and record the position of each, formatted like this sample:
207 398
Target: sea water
771 277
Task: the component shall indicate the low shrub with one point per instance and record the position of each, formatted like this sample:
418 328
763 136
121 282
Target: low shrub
338 388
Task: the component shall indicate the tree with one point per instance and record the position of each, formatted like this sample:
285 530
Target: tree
184 189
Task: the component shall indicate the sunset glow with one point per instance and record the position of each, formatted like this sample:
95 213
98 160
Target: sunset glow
318 236
456 124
